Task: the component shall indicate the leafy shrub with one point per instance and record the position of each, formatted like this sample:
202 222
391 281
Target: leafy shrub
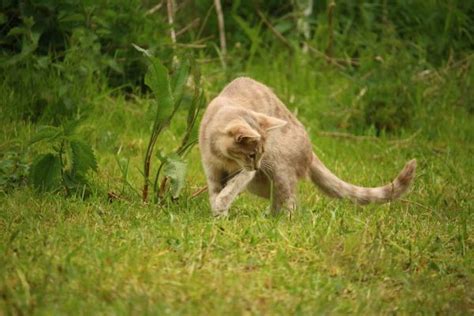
67 165
56 55
47 27
169 92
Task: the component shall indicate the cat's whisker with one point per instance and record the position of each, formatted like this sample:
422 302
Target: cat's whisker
231 175
266 167
266 173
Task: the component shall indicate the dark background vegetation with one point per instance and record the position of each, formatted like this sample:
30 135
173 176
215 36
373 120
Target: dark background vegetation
56 54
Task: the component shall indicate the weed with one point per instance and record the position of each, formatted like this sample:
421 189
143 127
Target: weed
67 166
169 94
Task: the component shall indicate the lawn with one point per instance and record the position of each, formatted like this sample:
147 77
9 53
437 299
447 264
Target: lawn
66 255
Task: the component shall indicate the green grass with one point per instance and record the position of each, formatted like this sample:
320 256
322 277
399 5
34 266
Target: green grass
64 255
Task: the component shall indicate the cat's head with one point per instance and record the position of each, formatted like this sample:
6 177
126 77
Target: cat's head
245 138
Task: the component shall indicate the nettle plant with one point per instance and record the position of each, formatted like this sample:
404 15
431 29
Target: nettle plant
65 167
169 88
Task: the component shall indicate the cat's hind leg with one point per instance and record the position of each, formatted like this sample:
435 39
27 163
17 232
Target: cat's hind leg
284 193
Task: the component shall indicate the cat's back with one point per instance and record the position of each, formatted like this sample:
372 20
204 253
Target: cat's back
241 84
247 89
253 95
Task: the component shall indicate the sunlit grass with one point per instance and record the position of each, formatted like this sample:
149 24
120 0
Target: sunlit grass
63 255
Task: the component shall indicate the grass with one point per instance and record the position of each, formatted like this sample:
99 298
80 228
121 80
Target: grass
64 255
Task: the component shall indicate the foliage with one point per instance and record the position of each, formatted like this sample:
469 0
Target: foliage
67 166
64 52
169 93
46 27
13 169
61 49
51 91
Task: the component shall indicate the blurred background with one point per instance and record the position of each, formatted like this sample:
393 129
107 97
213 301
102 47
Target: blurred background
391 58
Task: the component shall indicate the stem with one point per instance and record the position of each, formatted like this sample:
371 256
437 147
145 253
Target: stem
146 167
274 31
204 22
61 161
331 6
154 9
169 6
220 20
155 183
163 187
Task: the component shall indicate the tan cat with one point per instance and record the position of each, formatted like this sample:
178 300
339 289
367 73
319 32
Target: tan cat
248 138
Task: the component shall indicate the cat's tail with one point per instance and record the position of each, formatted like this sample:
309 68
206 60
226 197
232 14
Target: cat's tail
325 180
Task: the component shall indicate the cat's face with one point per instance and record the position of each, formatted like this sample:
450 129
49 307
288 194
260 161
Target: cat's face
247 152
245 142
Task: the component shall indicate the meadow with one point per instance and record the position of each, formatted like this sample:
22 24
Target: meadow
110 253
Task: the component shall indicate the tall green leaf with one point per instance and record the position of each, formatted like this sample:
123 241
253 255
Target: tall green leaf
198 95
190 137
45 173
157 78
83 158
179 81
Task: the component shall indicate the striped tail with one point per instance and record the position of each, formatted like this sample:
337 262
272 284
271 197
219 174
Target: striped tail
325 180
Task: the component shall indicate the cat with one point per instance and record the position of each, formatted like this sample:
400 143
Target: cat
249 140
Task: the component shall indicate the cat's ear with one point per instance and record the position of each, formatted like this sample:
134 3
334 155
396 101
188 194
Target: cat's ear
241 132
268 123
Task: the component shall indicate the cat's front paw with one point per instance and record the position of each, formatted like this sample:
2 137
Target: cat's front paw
220 214
220 208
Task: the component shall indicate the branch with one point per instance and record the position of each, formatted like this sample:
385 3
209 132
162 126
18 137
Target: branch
191 45
331 6
169 6
204 22
154 9
347 136
274 31
340 63
199 191
373 138
187 27
220 19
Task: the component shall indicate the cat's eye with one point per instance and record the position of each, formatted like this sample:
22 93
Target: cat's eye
252 156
